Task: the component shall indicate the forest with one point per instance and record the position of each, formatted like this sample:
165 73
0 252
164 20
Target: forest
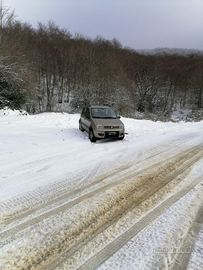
50 69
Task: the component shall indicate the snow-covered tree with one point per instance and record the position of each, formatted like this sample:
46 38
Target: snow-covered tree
11 92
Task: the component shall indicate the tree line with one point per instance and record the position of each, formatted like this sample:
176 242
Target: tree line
49 69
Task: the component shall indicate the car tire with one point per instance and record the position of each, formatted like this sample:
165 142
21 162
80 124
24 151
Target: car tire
91 136
80 126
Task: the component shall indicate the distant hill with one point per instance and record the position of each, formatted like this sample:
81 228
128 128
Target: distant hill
171 51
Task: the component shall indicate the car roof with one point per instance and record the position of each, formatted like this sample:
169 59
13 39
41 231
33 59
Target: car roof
98 106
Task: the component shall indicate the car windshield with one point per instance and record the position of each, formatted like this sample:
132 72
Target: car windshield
104 113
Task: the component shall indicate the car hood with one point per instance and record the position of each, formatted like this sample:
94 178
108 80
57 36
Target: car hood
108 122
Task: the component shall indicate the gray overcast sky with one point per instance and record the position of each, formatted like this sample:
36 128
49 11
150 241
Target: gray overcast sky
139 24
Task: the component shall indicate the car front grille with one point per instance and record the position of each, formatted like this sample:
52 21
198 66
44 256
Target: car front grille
111 127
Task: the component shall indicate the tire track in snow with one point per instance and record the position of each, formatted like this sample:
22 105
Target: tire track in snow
104 211
137 227
119 242
24 205
43 197
185 250
11 230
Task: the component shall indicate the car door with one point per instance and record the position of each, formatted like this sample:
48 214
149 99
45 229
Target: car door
85 118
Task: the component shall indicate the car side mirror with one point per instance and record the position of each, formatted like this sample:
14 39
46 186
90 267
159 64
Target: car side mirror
118 116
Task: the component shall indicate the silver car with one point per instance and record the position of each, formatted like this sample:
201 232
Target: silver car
101 122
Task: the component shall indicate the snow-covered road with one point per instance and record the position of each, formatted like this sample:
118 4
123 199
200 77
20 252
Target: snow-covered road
66 203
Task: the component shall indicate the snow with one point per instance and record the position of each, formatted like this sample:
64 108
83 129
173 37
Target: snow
37 151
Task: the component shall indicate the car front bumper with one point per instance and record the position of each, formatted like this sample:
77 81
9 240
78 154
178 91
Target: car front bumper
103 133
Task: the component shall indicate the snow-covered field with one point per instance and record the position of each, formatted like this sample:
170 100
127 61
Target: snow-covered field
47 152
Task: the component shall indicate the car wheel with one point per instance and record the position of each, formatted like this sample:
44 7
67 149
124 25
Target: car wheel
80 126
91 136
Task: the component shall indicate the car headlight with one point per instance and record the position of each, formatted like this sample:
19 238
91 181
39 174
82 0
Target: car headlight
99 126
121 126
